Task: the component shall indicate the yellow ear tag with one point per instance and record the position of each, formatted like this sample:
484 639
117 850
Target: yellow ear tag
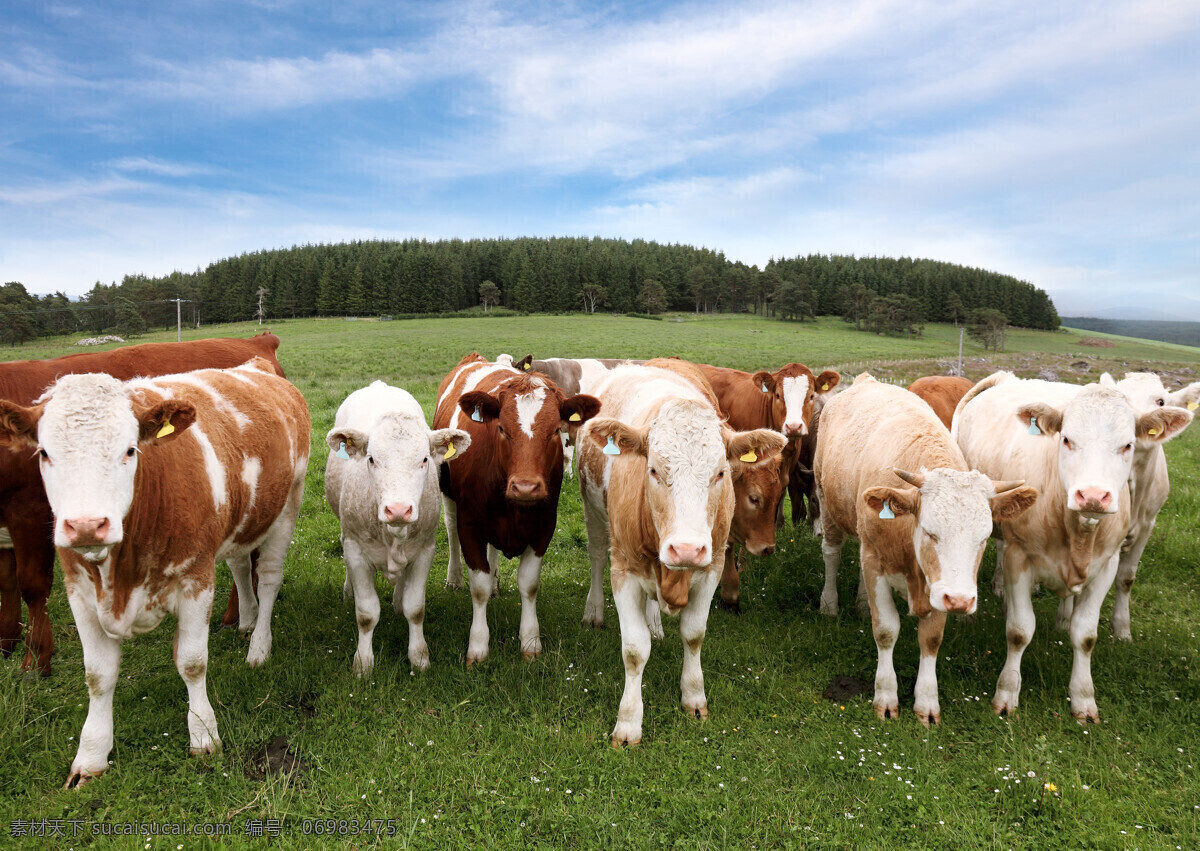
1193 406
749 457
166 429
1153 431
824 387
450 452
575 418
528 366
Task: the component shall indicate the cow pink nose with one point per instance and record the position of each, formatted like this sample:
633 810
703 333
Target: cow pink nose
86 531
961 604
793 428
398 512
687 555
1093 499
526 490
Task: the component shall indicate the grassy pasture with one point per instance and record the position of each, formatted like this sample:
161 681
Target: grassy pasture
515 753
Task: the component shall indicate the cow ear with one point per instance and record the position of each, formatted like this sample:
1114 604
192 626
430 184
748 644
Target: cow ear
576 410
763 381
826 381
1106 380
18 424
447 443
348 442
525 364
892 501
752 447
1162 424
625 438
163 421
1188 397
1012 503
1048 419
487 405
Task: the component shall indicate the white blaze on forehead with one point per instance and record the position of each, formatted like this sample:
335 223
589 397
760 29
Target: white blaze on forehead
795 391
955 509
529 405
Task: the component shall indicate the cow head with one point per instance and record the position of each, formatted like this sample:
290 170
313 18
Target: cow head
1096 432
952 513
401 455
527 415
1145 392
688 457
757 488
792 389
88 431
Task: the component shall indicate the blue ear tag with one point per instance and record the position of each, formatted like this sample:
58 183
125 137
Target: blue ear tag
886 513
611 448
1033 426
342 453
475 415
765 390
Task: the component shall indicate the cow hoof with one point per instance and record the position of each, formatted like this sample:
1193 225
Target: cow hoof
887 710
363 667
733 607
1086 713
211 746
929 718
698 712
80 777
829 608
617 742
1005 708
419 661
531 655
475 660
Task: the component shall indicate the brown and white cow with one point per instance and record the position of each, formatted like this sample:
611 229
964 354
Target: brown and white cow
1076 446
152 481
924 541
381 480
26 545
656 478
942 392
1149 484
502 496
782 401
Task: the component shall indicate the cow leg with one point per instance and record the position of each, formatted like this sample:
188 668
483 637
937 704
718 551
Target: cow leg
831 551
654 618
597 543
481 590
998 576
239 567
1062 617
409 600
360 576
271 554
630 599
731 584
102 665
493 557
885 624
191 660
1084 626
10 602
454 570
693 623
861 604
232 607
1126 575
1019 626
33 549
529 577
929 636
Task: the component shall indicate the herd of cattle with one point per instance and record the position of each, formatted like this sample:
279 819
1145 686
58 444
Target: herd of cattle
146 465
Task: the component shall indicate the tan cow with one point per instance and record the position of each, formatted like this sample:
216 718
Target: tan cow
942 392
924 541
1076 445
152 481
655 474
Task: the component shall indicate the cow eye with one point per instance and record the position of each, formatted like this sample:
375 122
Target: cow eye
1126 448
371 460
1067 443
654 474
130 452
755 501
424 460
1161 402
720 476
43 455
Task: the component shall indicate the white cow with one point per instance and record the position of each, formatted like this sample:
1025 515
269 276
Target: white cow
655 475
384 492
924 541
1076 445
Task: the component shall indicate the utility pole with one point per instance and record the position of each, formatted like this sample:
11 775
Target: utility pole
961 329
262 291
179 316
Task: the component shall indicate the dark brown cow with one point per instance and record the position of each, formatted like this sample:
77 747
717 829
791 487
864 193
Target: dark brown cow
781 401
27 569
502 496
942 392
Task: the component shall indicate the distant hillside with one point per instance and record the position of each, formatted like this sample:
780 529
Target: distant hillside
1184 333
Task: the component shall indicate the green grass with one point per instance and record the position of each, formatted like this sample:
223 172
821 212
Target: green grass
514 753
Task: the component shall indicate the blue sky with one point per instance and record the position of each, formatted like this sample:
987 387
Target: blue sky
1058 142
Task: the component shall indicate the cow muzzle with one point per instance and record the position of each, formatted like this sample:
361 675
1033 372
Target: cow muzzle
87 532
526 491
685 556
1095 501
794 429
399 513
957 604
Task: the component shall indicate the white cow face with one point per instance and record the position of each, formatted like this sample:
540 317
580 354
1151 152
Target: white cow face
688 456
954 512
402 456
89 431
1145 392
1096 432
